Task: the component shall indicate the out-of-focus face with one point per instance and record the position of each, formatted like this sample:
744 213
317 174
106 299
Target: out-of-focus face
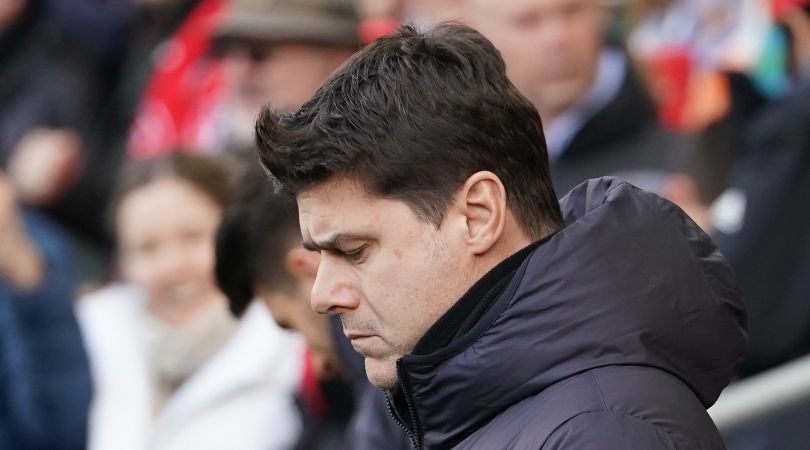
283 74
292 310
166 237
551 47
387 274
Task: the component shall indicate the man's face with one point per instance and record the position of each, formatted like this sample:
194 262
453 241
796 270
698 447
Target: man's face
282 74
387 274
291 310
551 47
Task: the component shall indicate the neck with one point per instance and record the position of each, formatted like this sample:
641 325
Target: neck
511 241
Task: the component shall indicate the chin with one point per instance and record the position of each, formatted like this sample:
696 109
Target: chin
381 374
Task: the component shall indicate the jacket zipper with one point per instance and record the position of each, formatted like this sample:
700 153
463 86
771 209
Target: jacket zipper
413 436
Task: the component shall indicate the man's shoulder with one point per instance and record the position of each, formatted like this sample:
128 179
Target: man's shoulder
611 407
529 422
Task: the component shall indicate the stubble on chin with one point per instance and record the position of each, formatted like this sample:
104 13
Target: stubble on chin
382 374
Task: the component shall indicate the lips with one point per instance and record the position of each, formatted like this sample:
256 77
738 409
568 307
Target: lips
353 336
362 343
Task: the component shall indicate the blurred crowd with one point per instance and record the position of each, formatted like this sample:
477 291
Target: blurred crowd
136 231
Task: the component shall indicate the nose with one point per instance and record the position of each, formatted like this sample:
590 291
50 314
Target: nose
172 266
333 291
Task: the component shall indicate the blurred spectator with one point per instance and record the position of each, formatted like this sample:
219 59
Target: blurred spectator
44 377
46 103
699 174
597 116
43 84
98 25
277 52
382 17
744 178
761 224
685 47
185 86
81 203
173 369
62 121
259 255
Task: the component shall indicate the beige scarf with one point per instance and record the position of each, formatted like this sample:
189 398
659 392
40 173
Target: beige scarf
175 352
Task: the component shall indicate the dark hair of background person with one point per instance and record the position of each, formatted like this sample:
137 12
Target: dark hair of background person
252 242
210 175
411 117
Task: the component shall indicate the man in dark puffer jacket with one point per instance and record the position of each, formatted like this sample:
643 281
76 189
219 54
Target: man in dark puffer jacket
492 317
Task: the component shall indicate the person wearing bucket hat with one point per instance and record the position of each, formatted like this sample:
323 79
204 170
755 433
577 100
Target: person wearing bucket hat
328 22
279 52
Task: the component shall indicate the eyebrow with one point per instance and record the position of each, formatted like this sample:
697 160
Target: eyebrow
335 242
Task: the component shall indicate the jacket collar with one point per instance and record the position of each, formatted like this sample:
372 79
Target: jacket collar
463 315
453 325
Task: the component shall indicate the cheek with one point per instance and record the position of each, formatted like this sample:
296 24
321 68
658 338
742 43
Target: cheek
316 70
236 71
586 39
516 48
411 293
205 259
140 270
200 257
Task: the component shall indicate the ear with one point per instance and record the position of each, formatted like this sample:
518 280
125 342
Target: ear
301 263
482 203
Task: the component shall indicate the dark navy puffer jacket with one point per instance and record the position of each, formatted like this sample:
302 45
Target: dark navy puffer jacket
616 333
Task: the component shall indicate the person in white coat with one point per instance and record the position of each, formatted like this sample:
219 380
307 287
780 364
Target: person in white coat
172 369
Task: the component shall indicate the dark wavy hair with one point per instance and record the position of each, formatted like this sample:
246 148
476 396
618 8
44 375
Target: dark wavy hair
411 117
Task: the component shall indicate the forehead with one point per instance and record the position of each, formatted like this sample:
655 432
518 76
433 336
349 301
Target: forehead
343 206
177 201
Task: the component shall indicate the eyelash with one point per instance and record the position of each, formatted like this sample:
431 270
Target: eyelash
354 255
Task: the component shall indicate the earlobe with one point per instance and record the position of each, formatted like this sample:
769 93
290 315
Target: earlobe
482 200
302 263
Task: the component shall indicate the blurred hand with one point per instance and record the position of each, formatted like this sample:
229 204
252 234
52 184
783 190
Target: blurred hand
44 164
10 12
20 261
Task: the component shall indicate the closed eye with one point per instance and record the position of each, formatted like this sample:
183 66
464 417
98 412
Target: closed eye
355 255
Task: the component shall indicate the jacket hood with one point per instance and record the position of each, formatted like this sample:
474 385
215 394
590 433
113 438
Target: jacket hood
630 280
